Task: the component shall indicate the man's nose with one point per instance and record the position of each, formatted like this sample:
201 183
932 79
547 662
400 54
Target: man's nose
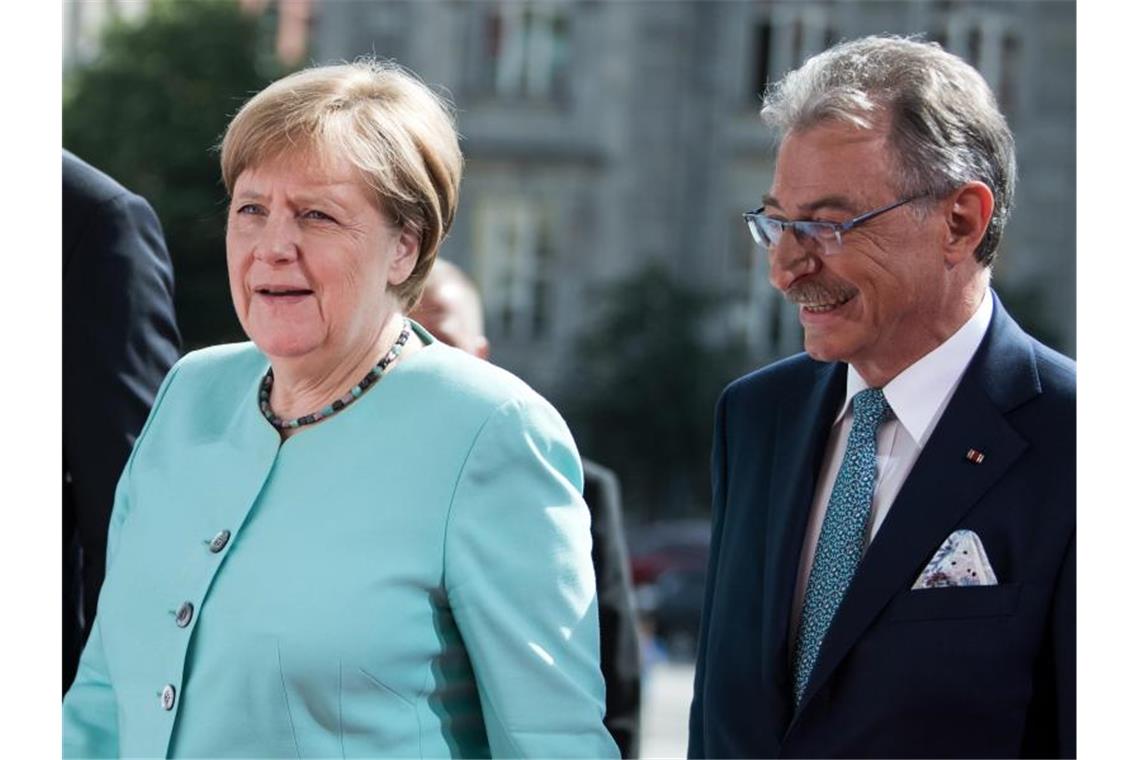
788 260
279 240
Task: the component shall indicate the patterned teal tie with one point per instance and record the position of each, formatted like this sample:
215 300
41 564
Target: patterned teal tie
840 544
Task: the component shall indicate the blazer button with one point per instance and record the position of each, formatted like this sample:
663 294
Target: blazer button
185 615
168 697
220 541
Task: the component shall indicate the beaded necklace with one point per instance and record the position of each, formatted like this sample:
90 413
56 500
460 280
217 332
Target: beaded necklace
374 375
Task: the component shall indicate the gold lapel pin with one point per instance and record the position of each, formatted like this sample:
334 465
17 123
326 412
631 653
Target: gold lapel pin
975 456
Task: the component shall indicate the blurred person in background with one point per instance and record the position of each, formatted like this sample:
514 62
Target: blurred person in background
344 538
893 565
452 310
120 339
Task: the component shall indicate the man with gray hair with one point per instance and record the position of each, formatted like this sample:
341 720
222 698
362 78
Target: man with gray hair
894 512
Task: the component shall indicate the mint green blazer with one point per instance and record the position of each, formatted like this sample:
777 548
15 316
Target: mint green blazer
409 578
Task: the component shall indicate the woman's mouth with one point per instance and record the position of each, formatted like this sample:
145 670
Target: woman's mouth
272 292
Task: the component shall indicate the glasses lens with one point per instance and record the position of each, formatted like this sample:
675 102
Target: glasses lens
754 228
765 231
814 235
821 234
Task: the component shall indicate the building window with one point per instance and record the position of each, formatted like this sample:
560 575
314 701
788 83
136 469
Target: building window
1007 86
990 42
523 51
761 55
783 37
513 258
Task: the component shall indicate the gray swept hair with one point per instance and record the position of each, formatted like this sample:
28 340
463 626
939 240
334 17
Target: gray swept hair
945 127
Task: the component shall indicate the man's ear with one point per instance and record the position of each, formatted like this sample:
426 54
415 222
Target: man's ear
968 211
407 254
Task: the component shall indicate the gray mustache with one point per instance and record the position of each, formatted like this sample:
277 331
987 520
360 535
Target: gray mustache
819 292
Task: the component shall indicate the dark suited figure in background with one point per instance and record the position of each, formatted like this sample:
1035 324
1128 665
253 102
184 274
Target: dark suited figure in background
893 561
119 340
452 311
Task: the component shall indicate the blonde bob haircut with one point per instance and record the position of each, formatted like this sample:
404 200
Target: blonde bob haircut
398 134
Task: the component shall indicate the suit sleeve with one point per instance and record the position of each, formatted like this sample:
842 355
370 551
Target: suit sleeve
520 583
621 658
119 341
719 485
90 708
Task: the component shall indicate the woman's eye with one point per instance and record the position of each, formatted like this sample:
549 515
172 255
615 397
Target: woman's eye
248 208
317 215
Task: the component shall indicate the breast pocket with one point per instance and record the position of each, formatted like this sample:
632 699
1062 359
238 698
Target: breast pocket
954 603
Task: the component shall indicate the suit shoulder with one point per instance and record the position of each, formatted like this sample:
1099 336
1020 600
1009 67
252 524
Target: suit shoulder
796 371
209 376
468 382
103 218
1058 372
601 487
86 186
222 359
598 473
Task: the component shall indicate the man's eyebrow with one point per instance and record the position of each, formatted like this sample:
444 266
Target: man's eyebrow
837 202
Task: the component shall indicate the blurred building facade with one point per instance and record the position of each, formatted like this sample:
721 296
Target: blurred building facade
602 135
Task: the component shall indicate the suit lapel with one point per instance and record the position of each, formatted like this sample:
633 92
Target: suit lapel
803 431
943 485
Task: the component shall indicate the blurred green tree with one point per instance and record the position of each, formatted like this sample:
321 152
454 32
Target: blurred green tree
149 110
642 400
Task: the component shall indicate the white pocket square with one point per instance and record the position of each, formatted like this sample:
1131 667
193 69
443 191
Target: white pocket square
960 561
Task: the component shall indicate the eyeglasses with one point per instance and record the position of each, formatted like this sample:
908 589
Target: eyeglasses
828 236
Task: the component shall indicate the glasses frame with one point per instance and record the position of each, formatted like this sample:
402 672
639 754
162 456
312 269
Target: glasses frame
816 231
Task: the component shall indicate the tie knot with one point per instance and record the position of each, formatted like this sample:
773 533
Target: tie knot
871 408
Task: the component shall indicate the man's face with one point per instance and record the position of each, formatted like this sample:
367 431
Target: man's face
878 301
449 311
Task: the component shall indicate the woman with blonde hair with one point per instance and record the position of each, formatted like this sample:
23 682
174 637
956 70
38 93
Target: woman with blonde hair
343 538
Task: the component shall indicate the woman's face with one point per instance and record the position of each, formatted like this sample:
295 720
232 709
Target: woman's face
310 257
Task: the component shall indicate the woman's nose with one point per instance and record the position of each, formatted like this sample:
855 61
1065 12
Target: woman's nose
279 240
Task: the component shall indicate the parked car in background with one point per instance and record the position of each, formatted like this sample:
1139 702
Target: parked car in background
674 603
667 545
669 561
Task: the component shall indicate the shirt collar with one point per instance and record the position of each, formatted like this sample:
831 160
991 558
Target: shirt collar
918 394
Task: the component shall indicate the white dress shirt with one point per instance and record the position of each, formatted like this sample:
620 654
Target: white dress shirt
917 396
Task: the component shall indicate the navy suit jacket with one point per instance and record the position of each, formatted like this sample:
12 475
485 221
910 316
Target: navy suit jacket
119 341
984 671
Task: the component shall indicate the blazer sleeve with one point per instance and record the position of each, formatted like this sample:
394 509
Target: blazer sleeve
719 485
90 709
119 341
520 583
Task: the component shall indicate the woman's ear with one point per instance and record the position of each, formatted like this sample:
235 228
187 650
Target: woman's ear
968 214
407 253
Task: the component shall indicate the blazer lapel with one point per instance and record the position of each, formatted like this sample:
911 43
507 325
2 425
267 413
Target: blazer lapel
803 430
943 485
